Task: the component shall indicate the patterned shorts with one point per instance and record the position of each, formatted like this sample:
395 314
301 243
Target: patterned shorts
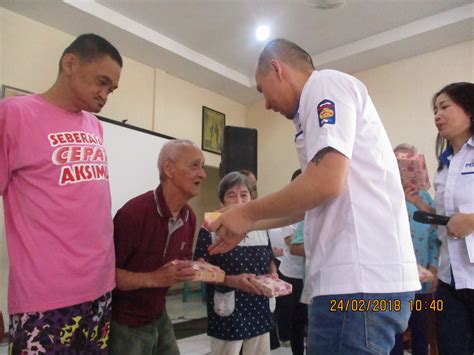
79 329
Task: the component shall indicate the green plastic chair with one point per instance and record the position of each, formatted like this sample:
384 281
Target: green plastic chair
187 291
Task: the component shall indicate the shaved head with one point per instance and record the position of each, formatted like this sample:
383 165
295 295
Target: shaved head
171 151
287 52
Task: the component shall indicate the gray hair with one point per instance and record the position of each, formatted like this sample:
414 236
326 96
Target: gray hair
406 146
285 51
232 179
171 151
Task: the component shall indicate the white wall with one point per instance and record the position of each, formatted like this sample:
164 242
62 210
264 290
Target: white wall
277 159
178 110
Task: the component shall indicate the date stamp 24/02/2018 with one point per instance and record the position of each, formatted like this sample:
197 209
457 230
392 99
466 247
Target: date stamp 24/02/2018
383 305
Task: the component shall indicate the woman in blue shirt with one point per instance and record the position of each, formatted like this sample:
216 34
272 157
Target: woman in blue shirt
426 245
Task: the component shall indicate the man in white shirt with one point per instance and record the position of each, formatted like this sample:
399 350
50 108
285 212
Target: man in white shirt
360 266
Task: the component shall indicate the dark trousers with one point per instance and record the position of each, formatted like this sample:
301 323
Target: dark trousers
297 316
282 313
274 336
455 324
418 324
274 341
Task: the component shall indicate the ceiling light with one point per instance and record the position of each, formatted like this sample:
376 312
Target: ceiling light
326 4
263 32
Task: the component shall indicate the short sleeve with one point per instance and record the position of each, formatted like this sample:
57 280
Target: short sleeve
124 230
101 129
298 237
332 116
5 146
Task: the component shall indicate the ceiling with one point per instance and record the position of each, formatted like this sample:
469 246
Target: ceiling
212 44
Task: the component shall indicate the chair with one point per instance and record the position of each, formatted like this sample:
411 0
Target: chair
187 290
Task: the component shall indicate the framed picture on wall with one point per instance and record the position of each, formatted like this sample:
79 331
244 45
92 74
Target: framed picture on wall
213 123
11 91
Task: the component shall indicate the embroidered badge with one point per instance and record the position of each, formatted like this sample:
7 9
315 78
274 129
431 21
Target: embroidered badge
326 112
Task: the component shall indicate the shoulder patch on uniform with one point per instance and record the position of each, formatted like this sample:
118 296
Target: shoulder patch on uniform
326 112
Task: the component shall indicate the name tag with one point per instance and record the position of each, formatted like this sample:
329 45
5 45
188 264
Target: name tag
468 168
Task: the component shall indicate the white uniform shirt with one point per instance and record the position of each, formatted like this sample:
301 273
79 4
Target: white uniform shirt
290 265
455 193
359 241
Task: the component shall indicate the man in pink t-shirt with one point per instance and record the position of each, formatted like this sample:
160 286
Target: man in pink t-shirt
55 186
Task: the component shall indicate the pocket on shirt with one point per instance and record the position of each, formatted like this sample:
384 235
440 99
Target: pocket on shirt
224 303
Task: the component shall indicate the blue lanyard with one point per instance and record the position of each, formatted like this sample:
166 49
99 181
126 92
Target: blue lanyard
445 157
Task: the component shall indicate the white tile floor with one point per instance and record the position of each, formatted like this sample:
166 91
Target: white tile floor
195 308
200 345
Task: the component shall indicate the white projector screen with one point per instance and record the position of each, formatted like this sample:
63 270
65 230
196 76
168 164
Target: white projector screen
132 154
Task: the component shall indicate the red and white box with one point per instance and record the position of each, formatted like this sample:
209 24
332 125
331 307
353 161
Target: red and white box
272 287
413 170
207 272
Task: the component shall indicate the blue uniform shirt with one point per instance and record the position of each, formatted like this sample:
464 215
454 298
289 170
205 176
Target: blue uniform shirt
424 237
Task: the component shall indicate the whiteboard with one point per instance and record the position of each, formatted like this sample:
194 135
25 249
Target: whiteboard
132 154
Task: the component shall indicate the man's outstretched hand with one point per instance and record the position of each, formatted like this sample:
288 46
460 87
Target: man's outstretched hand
231 227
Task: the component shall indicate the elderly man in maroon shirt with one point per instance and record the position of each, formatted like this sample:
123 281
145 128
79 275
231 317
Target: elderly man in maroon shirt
153 244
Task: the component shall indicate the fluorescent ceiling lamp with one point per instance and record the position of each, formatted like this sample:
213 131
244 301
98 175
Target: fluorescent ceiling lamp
263 32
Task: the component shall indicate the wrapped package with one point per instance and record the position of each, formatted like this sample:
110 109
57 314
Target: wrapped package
207 272
272 287
209 217
413 170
